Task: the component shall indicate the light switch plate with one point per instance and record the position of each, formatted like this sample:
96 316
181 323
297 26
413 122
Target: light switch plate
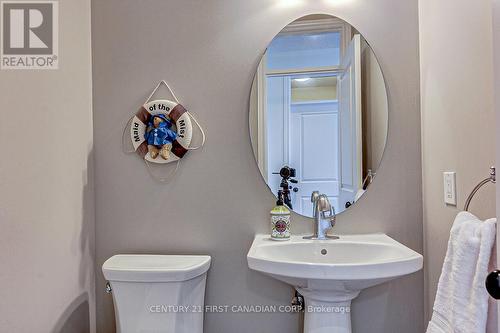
450 188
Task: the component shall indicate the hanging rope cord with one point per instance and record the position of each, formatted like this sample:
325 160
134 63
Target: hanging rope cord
203 137
172 173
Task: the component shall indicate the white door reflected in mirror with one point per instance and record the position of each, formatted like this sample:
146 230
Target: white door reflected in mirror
318 113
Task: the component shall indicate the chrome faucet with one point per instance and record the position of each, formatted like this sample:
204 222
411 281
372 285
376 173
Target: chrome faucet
322 221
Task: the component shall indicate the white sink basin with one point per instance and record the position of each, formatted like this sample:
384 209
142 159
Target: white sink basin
329 274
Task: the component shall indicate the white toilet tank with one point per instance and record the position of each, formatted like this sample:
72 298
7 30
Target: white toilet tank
158 293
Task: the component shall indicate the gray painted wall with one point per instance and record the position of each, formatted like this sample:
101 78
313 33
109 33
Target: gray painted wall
496 87
209 51
458 120
46 188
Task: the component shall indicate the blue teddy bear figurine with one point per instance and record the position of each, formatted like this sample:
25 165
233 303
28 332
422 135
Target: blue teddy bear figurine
159 136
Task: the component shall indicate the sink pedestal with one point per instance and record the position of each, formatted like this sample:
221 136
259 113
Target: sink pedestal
327 311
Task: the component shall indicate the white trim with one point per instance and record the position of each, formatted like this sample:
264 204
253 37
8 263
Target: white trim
359 110
322 25
312 70
262 119
317 102
287 101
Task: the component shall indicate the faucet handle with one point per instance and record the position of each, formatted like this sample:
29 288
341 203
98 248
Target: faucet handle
314 196
323 203
323 212
325 207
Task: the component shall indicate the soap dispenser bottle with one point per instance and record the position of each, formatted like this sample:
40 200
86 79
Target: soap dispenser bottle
280 220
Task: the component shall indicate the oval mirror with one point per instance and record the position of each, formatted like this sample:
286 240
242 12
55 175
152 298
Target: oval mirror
318 113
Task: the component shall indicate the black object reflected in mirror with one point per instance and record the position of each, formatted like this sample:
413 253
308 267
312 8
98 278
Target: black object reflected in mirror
286 174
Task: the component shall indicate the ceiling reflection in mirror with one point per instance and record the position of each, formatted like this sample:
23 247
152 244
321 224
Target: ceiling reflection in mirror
318 113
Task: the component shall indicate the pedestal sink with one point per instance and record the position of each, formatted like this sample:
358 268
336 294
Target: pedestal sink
330 274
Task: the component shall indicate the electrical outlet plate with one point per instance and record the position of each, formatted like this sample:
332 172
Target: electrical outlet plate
450 188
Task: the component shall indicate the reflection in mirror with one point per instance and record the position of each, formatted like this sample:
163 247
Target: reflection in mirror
318 113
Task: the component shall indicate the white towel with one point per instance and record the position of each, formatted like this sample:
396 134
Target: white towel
461 304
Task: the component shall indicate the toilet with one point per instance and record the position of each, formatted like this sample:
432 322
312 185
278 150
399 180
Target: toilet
157 293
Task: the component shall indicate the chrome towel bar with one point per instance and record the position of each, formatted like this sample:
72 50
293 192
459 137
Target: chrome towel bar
490 179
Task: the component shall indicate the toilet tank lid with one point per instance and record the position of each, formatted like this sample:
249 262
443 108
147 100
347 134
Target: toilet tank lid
154 268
